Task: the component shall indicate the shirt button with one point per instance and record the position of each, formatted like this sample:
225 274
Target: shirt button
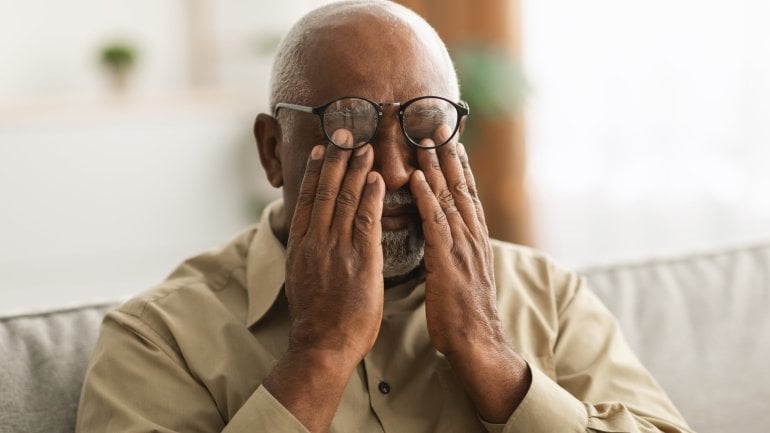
384 387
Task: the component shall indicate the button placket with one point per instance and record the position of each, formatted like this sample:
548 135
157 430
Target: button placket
376 397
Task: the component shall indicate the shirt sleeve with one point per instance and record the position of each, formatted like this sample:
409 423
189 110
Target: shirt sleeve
599 384
136 382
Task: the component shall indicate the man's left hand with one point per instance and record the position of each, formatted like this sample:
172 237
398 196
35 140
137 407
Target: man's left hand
460 296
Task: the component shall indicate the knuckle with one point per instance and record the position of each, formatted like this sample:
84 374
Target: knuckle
360 237
347 199
435 165
445 197
308 255
464 162
346 260
309 252
472 190
460 188
363 226
325 192
458 259
439 217
364 221
479 207
305 198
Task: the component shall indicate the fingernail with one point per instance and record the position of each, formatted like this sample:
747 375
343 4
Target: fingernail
371 177
342 137
420 175
317 152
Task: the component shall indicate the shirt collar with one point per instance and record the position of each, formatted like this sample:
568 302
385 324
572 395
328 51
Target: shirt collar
266 263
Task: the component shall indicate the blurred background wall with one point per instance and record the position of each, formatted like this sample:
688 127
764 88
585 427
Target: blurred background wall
644 131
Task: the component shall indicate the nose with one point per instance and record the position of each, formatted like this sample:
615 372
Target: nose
394 158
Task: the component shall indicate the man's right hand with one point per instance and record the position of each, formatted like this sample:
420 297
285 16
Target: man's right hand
334 281
334 259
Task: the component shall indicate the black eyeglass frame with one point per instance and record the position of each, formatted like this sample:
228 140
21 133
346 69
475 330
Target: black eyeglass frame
461 107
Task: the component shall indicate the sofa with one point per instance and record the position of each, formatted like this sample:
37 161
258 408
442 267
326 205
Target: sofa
700 323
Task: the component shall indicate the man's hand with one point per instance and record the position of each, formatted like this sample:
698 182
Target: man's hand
334 262
334 281
460 295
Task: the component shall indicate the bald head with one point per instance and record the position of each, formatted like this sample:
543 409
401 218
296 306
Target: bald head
350 32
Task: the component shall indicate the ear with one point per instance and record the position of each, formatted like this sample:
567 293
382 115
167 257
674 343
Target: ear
267 131
462 126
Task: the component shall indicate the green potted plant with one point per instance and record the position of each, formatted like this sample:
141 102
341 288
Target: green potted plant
118 58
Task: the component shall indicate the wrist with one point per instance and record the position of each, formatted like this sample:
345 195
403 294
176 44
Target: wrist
309 383
486 355
477 344
307 372
495 377
329 362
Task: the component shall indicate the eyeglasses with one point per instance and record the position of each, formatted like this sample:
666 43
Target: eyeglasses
420 118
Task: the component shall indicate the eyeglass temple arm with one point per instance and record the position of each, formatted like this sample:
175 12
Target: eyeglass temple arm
302 108
465 106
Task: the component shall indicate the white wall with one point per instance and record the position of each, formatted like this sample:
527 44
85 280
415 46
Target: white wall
107 205
50 48
103 194
648 125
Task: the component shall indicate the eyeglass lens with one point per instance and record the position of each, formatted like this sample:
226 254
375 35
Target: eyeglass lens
358 116
421 119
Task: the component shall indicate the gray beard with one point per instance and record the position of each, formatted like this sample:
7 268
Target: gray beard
402 250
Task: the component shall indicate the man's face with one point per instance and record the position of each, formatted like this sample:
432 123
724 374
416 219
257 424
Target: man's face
367 57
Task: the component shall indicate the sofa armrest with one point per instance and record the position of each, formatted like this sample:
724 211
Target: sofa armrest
43 358
700 324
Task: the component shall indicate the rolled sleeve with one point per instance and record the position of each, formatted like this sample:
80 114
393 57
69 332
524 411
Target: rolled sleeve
263 410
547 407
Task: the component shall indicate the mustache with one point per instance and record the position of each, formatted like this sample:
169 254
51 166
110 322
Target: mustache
398 198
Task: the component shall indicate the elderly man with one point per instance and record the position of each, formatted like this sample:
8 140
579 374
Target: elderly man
371 298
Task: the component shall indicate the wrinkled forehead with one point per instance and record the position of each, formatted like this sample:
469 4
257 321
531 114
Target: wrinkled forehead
382 56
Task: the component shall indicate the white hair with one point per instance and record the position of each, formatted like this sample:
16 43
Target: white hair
289 83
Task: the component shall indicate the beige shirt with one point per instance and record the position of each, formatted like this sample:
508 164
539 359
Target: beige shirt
191 354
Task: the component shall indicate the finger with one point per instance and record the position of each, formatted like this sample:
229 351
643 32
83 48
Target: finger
434 220
452 169
367 226
304 207
333 171
471 184
351 189
428 161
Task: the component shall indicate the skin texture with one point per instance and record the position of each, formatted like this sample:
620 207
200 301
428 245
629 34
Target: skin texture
334 203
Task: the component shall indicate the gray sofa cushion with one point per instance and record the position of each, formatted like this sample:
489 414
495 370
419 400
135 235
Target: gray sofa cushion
43 358
701 324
